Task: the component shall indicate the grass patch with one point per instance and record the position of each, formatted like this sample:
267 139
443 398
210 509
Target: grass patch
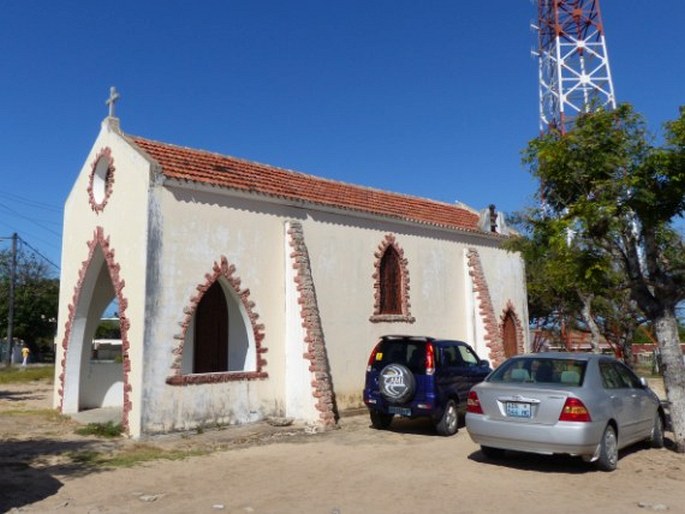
20 375
130 457
108 430
49 414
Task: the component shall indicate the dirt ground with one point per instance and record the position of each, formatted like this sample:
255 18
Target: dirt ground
266 469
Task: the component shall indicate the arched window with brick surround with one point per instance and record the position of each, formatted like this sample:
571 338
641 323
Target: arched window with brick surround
391 283
390 289
221 340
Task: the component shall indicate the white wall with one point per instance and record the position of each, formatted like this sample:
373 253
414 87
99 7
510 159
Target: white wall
102 385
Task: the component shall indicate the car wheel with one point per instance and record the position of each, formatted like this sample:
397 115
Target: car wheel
492 453
379 420
656 439
448 422
397 383
608 450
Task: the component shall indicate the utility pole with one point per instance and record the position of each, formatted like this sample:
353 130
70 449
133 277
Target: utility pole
10 314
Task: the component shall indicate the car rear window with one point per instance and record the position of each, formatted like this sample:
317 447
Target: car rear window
546 370
408 353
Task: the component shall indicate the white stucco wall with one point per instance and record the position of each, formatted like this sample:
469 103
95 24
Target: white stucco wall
342 254
196 229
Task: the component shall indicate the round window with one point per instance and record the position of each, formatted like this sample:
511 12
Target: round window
101 179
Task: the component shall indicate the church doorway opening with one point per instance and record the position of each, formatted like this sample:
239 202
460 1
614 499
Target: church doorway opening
509 336
94 360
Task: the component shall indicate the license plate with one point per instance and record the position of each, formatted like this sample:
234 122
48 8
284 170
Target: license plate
402 411
518 409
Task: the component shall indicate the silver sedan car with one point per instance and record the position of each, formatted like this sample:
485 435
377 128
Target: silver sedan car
580 404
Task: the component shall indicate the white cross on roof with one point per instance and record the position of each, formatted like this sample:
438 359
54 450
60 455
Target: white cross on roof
113 97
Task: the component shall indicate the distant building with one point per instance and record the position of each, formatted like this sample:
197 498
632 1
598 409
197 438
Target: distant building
247 291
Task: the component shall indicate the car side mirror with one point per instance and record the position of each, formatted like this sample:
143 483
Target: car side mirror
643 383
484 362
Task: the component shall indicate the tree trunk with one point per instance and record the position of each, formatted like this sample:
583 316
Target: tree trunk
673 368
586 313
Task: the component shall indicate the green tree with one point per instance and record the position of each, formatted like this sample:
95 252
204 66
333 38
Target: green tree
620 193
36 299
568 278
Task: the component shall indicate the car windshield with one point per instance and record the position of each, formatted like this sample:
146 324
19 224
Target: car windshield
546 370
407 353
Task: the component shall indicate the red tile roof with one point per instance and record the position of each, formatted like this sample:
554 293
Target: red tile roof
222 171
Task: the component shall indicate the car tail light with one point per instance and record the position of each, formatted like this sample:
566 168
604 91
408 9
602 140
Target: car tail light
430 359
372 358
473 404
574 410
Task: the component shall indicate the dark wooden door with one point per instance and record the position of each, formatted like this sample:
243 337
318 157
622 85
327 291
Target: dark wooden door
211 332
509 337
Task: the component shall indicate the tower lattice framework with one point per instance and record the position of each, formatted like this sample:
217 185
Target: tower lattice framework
574 66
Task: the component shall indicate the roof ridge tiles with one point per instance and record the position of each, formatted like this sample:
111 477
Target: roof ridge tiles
197 165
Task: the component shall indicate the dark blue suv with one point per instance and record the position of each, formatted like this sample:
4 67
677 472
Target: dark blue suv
421 376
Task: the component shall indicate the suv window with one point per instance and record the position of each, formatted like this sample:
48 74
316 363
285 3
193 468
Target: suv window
467 355
411 354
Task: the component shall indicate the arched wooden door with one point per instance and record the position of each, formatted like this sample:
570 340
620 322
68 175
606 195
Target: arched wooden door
509 336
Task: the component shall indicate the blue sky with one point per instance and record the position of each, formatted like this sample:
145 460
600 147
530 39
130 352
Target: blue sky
435 98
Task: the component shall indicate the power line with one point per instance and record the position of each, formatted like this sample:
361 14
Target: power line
40 254
27 218
30 202
36 252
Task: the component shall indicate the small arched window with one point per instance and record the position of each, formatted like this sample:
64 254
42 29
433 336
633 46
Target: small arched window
390 282
391 298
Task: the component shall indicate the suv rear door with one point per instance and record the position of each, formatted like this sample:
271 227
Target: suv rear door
458 370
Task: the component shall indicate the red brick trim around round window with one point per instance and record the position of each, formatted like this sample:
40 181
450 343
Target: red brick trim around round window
220 270
405 314
101 180
99 240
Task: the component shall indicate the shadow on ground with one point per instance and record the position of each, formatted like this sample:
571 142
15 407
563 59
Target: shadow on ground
565 464
28 468
21 395
418 426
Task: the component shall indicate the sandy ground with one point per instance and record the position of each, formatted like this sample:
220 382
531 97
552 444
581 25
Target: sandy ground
266 469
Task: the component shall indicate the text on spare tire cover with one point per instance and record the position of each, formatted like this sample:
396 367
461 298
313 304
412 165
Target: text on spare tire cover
394 383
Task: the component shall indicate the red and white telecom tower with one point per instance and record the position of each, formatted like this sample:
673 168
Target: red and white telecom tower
574 65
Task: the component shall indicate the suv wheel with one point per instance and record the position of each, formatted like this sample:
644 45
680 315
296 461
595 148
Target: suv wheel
397 383
448 422
379 420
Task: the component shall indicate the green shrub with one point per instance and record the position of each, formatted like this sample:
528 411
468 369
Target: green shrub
109 429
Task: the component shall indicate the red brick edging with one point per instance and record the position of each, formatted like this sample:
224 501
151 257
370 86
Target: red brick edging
322 385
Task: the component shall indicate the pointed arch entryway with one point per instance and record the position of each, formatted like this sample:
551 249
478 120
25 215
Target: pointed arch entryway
512 332
84 383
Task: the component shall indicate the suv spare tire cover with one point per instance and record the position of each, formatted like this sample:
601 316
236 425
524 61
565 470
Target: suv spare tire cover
397 383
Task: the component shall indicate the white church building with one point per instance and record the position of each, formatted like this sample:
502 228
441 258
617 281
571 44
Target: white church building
247 291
